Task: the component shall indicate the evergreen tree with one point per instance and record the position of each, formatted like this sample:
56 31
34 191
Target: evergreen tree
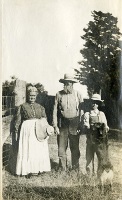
100 67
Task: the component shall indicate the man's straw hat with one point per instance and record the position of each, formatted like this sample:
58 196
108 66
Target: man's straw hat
69 78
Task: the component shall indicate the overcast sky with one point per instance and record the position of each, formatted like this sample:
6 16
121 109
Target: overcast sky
41 38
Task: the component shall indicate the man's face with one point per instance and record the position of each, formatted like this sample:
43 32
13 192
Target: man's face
41 88
68 87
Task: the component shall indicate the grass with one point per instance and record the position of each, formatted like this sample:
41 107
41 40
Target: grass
55 185
70 185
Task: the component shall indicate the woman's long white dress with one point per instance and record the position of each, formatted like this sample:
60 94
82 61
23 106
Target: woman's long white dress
33 155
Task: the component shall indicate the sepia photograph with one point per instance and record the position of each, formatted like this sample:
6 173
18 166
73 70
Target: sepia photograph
61 100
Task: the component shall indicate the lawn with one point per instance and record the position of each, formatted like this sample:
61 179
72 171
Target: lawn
70 185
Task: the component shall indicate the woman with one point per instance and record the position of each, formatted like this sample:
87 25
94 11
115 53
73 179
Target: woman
33 153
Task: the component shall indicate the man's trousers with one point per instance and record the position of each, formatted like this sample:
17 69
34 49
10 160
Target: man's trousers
68 133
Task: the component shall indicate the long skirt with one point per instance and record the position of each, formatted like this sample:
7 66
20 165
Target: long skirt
33 155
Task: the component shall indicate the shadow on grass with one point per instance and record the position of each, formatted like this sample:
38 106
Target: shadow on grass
9 158
115 134
54 165
81 192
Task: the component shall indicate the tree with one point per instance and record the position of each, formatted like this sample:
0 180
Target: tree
101 56
100 67
8 87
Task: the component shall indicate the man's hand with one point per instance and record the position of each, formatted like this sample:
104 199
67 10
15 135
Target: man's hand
56 130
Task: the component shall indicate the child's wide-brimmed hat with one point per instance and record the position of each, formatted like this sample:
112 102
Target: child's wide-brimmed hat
69 78
43 129
96 97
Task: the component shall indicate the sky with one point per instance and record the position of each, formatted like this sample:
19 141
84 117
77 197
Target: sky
41 39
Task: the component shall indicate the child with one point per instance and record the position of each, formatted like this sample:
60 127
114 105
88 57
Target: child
97 129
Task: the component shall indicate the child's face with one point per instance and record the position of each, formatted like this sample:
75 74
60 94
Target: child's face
94 105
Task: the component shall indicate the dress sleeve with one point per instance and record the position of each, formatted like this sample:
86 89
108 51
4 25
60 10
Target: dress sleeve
43 112
18 119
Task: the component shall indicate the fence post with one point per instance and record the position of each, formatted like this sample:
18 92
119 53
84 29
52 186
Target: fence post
20 92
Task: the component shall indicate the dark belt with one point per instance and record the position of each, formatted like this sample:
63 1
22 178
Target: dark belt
63 120
70 118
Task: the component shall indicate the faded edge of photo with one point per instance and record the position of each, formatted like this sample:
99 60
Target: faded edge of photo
1 99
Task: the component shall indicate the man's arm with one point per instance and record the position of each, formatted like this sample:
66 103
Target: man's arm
55 120
81 111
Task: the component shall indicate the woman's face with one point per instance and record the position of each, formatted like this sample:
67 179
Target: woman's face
32 98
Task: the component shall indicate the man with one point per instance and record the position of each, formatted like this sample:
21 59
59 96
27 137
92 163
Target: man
42 95
43 99
66 117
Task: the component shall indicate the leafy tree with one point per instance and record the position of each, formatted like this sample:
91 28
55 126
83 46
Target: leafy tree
99 68
8 87
8 96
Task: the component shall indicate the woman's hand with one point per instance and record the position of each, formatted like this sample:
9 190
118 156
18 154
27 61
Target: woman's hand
50 130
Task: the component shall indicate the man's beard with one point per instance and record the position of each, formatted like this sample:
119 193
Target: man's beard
68 90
